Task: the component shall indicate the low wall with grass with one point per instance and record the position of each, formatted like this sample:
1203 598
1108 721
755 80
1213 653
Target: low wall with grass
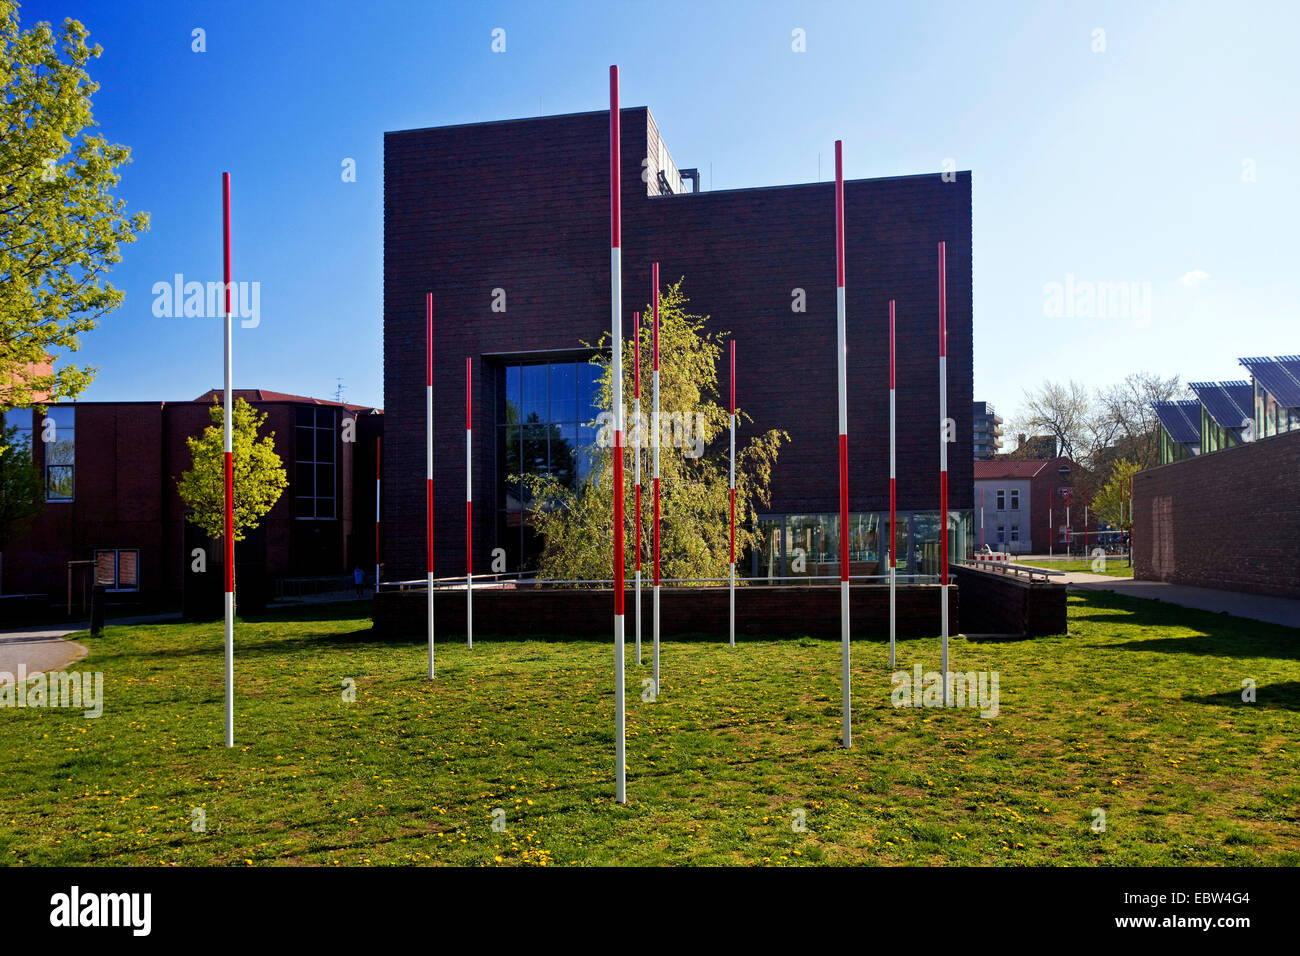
766 611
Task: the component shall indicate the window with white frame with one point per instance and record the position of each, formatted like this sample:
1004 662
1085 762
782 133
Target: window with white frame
1015 499
1002 499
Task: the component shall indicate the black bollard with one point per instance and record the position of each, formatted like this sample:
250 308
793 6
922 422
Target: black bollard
97 598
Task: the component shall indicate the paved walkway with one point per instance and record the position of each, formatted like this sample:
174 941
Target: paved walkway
1257 607
45 647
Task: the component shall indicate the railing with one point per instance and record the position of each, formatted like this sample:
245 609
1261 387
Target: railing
528 577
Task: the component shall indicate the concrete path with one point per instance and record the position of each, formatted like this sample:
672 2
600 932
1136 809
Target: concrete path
1257 607
46 648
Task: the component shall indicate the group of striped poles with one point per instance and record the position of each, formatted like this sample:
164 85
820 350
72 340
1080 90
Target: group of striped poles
616 307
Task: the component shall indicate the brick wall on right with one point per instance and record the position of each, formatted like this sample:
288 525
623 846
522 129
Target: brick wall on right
1227 520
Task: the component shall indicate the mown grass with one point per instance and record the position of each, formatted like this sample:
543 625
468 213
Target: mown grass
1137 712
1115 567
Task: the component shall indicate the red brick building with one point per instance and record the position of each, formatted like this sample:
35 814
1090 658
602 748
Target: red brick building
1026 506
112 513
507 224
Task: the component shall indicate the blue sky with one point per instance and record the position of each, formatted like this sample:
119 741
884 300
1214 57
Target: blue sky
1130 165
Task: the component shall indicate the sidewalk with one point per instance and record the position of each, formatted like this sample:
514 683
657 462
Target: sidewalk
1257 607
45 648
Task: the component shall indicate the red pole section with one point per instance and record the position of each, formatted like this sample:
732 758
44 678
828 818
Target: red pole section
469 502
733 451
616 378
654 345
229 448
893 478
841 357
943 466
636 394
469 488
428 463
943 414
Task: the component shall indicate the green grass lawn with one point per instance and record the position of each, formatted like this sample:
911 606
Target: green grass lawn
1136 712
1115 567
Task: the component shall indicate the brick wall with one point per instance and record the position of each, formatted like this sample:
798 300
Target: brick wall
1229 519
994 602
524 206
760 611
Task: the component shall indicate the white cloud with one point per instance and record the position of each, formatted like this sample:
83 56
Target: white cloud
1194 278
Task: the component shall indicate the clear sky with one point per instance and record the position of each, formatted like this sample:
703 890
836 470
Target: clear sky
1132 165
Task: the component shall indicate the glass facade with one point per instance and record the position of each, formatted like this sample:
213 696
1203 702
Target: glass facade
314 485
802 546
545 425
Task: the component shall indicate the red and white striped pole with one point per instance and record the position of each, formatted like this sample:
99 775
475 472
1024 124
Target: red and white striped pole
841 350
654 481
893 495
636 424
378 475
469 503
229 449
428 453
616 378
981 519
943 465
732 585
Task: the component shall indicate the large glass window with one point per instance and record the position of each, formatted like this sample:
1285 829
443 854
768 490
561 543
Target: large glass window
314 463
807 545
58 435
545 426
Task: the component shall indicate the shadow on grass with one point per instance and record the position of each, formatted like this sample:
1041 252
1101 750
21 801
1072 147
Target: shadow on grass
1285 696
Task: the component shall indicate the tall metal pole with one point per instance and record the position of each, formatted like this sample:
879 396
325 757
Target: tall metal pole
378 475
1051 531
943 465
732 585
229 448
841 349
636 423
654 481
893 494
469 503
616 378
428 450
981 519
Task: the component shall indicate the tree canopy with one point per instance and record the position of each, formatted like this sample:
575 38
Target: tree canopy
576 524
259 476
60 224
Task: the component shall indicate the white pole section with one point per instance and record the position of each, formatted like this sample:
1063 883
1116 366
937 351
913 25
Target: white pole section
469 504
654 481
636 424
893 495
732 584
616 378
943 466
841 361
378 476
229 448
428 450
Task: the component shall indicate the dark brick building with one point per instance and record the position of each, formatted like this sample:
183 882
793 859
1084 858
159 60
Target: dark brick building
519 210
111 506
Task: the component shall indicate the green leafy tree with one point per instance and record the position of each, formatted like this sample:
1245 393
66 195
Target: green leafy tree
20 487
576 523
1111 503
259 476
60 224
